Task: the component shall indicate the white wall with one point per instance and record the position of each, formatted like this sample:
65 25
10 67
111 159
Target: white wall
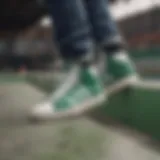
123 9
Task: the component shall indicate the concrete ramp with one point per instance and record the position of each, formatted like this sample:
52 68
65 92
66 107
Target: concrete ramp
73 140
21 141
15 100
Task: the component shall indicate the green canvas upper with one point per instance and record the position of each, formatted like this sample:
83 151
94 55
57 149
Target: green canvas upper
87 86
120 66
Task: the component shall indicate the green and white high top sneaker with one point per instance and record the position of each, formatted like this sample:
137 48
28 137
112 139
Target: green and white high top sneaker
120 66
81 91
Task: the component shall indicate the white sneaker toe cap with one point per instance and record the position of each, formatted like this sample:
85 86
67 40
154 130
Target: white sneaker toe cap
42 111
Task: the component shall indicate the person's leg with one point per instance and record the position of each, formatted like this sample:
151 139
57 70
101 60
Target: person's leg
71 28
107 36
75 42
104 28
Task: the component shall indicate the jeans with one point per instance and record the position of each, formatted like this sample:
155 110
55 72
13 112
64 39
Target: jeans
78 24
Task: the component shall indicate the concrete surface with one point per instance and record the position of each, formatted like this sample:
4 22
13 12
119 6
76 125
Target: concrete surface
81 139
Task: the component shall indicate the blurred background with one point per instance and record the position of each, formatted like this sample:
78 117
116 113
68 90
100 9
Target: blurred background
27 46
26 32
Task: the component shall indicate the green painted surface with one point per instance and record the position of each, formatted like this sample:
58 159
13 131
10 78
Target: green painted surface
139 108
145 110
152 53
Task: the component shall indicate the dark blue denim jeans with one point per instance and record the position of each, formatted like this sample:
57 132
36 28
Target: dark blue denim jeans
79 24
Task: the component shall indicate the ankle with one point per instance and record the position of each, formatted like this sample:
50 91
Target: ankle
119 55
114 45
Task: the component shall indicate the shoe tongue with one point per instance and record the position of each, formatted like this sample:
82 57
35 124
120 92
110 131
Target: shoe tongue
87 61
88 57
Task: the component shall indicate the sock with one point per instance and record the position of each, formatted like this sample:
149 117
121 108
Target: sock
114 45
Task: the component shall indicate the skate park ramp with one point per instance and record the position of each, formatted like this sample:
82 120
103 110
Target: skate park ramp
80 139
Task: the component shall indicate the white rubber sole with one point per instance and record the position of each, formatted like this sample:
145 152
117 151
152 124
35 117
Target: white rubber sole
45 111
